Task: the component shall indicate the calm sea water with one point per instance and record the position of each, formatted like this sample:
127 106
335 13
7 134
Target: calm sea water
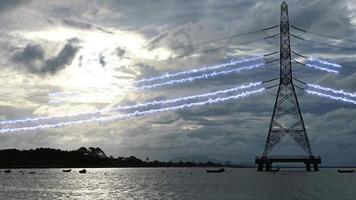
176 183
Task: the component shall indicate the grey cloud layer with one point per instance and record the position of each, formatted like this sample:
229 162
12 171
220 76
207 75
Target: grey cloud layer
234 131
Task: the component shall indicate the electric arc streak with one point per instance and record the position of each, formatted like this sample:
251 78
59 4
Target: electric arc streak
321 68
331 90
139 105
203 76
133 114
55 94
330 96
192 71
176 81
324 62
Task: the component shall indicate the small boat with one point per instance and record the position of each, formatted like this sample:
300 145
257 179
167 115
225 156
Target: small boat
215 171
31 172
275 170
7 171
346 170
83 171
67 170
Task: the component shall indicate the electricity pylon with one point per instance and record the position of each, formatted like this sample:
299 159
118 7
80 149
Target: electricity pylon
286 118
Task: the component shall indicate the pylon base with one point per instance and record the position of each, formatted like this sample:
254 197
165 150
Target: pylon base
265 162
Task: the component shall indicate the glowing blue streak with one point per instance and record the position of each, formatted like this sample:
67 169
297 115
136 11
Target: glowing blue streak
140 105
203 76
330 96
54 94
133 114
321 68
192 71
331 90
168 75
324 62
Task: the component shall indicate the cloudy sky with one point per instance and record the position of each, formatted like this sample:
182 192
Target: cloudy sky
90 52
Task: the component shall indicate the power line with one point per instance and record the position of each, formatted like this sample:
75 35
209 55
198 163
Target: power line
297 28
298 37
299 81
272 36
294 61
272 61
331 45
271 27
322 34
217 48
224 38
323 43
303 56
300 55
269 54
270 80
270 87
298 87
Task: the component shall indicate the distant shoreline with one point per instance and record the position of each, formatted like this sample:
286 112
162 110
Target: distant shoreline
91 157
91 167
86 158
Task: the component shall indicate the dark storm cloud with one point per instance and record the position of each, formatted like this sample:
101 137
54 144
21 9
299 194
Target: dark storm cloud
32 57
120 52
102 61
59 62
29 54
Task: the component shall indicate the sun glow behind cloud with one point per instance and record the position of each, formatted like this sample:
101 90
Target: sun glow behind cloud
87 73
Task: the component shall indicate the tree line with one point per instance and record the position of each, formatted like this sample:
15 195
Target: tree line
82 157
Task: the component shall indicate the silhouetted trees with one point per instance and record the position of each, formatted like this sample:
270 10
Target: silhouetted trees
83 157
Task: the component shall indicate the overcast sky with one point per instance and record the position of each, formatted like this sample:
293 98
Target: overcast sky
95 49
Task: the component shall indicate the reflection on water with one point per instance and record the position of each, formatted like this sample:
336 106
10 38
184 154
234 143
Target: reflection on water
176 183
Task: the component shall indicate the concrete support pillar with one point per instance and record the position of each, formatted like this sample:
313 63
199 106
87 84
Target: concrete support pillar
316 167
307 165
268 166
260 167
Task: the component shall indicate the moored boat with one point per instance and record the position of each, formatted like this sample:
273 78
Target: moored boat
275 170
7 171
83 171
67 170
216 170
346 170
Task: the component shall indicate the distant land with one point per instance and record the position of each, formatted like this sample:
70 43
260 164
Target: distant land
86 157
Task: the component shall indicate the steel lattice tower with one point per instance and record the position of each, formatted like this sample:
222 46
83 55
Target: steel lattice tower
286 118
